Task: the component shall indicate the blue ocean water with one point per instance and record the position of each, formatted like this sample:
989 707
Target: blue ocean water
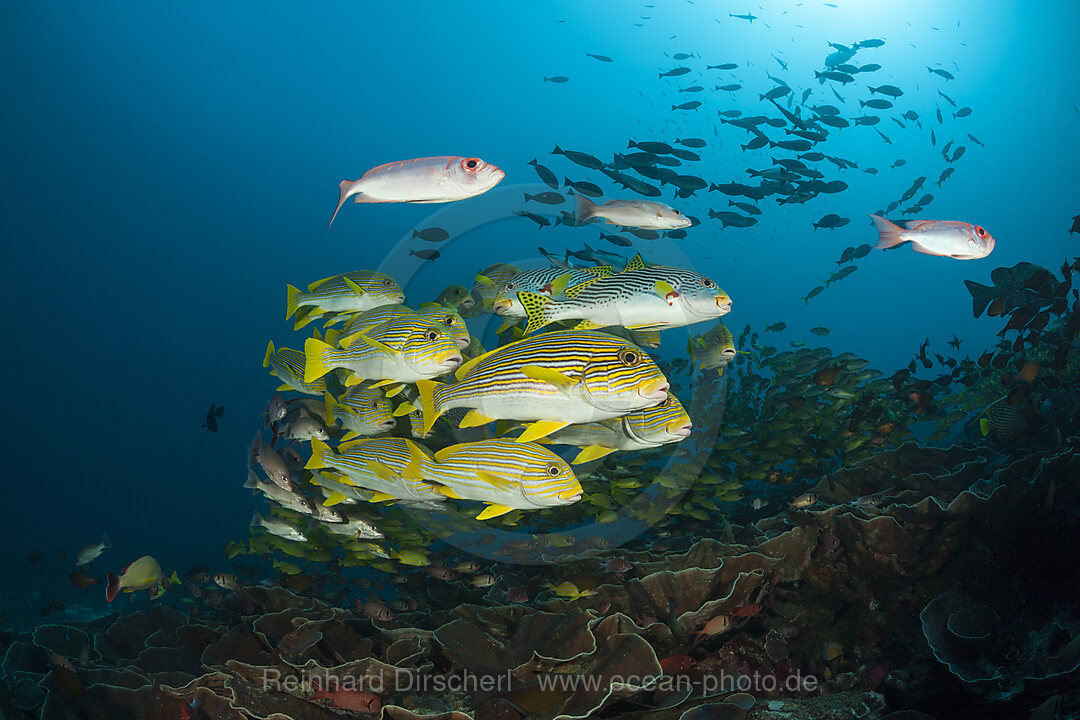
169 168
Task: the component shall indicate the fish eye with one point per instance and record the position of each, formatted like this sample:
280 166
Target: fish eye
374 404
666 401
471 163
629 358
707 282
979 231
432 335
449 320
677 212
553 470
509 286
388 282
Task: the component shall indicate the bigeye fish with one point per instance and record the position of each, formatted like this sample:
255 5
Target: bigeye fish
144 573
421 180
645 214
714 349
352 292
402 351
438 314
652 427
640 298
945 238
287 365
551 282
505 474
277 526
554 379
488 281
457 297
356 528
287 499
362 411
90 552
391 467
271 463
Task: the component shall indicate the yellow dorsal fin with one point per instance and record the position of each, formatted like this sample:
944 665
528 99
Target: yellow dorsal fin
269 352
600 270
404 409
394 390
552 377
636 263
541 428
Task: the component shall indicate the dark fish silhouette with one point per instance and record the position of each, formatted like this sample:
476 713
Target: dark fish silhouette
212 416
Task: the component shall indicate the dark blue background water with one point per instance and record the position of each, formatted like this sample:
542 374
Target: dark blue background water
169 168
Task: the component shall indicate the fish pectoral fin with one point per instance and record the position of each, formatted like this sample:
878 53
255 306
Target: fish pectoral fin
558 285
541 428
552 377
493 510
394 390
404 409
475 418
283 387
484 280
590 453
382 347
507 324
495 481
666 292
984 426
381 471
333 499
352 285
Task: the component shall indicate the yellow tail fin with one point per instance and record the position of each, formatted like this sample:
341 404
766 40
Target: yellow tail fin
292 296
315 359
319 452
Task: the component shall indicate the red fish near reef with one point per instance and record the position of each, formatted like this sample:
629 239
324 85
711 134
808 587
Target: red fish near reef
677 664
363 701
745 611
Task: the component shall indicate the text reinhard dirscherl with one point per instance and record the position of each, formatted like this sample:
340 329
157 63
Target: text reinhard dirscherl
407 681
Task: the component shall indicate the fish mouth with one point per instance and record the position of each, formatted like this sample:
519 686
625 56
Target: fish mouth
656 390
451 363
724 303
464 342
388 424
501 306
681 430
570 495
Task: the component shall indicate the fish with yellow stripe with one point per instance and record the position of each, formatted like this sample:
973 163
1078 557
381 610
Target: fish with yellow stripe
362 411
665 423
550 281
639 298
487 284
391 467
456 297
504 474
553 379
714 349
438 314
288 366
402 350
348 293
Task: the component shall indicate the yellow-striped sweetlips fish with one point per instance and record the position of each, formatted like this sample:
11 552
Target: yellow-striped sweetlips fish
555 379
550 281
438 314
392 467
652 427
488 281
402 350
362 410
505 474
639 298
287 365
352 292
714 349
